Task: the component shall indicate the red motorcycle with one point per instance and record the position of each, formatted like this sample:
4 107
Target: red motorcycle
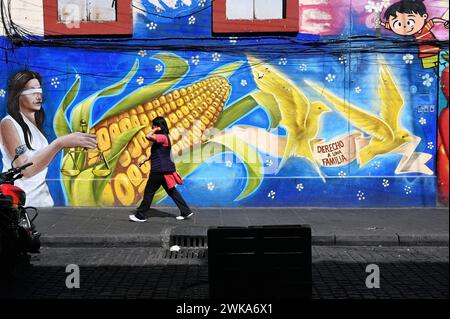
18 235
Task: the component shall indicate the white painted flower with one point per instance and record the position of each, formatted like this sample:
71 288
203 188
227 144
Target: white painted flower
300 187
343 59
269 163
233 40
195 60
430 145
158 68
228 163
271 194
385 182
408 58
358 89
423 121
244 82
361 196
427 80
376 164
211 186
376 7
54 82
2 93
303 67
201 3
142 53
342 174
140 80
408 190
283 61
216 57
152 26
330 77
192 20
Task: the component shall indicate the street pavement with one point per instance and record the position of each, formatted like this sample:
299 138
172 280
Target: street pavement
358 226
156 273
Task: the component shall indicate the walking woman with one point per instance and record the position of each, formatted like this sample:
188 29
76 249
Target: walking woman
24 127
163 173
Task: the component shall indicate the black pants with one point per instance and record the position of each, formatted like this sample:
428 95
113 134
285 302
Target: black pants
155 181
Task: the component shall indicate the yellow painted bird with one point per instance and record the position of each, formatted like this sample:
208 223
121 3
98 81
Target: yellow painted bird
298 115
387 132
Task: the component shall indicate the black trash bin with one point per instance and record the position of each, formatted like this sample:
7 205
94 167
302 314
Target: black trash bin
263 262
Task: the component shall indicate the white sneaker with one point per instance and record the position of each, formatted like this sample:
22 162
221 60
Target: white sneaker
133 218
184 217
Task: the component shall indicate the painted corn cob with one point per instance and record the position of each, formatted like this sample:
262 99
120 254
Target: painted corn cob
198 105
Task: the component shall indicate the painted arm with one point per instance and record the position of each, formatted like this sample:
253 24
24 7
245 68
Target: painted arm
42 158
439 20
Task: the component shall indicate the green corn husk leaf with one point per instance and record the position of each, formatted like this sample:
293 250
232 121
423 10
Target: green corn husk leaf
231 142
270 104
175 69
86 182
83 110
236 111
60 123
227 70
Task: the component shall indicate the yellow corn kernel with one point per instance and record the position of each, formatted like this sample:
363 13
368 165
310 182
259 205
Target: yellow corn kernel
190 106
209 101
185 123
114 131
148 151
134 174
176 94
212 109
104 143
135 121
124 190
186 99
174 134
208 115
125 124
141 188
204 119
148 107
167 108
162 100
108 196
133 112
190 90
140 109
152 115
169 97
192 96
183 92
173 106
190 118
156 104
140 136
179 114
180 127
134 148
180 102
123 115
185 110
160 111
195 114
125 159
169 124
144 119
173 118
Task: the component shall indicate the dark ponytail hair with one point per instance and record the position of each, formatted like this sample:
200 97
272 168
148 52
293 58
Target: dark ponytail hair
161 123
16 85
406 6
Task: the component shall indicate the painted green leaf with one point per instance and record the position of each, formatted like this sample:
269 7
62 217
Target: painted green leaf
83 110
175 69
249 156
235 111
227 70
270 104
60 123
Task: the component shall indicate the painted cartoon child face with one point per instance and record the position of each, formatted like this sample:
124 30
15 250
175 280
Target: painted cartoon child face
407 23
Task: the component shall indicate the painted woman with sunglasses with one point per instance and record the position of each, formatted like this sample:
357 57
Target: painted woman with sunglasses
24 126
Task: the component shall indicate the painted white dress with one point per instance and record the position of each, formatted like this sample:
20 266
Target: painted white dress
35 187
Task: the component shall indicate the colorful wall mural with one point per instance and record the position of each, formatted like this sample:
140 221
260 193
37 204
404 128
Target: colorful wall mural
341 115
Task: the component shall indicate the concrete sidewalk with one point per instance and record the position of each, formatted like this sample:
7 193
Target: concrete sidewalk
361 226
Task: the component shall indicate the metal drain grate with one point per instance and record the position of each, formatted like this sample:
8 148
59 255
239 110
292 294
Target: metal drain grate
186 254
189 241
